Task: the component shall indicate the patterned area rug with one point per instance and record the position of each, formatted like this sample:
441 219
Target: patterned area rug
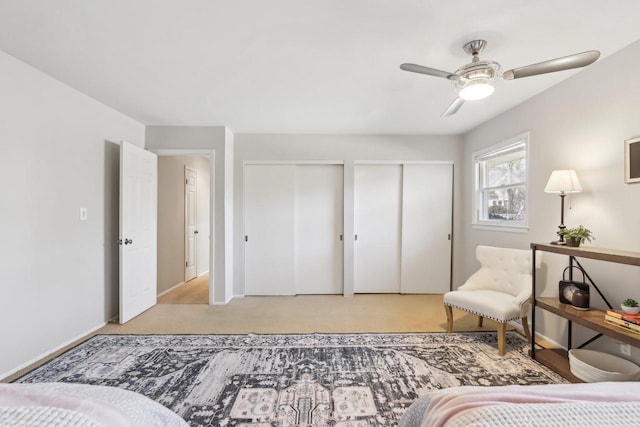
290 380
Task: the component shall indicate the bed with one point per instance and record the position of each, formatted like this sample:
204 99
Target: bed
594 404
48 404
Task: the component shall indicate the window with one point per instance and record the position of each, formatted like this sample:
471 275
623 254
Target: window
500 197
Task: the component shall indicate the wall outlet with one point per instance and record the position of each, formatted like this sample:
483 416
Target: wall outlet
625 349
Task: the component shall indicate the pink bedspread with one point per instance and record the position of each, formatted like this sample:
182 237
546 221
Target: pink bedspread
445 407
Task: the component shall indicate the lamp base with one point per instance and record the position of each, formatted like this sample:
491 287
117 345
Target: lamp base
559 242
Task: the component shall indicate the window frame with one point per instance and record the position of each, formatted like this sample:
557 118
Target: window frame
476 203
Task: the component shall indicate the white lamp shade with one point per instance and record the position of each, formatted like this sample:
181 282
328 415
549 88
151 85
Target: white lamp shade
563 181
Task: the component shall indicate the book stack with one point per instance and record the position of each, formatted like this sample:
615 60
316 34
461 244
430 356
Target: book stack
626 321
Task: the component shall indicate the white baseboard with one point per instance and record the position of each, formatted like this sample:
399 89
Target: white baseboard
202 274
227 301
51 351
550 341
170 289
518 326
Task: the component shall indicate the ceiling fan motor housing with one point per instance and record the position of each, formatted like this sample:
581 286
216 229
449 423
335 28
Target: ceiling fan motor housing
485 70
477 79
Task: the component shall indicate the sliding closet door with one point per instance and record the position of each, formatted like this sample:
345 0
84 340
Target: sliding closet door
318 226
427 191
377 209
269 219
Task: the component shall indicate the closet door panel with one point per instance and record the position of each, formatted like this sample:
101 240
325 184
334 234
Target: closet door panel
269 227
377 206
318 226
426 228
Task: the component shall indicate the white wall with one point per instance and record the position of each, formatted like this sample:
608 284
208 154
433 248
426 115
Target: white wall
578 124
346 148
217 141
58 152
171 255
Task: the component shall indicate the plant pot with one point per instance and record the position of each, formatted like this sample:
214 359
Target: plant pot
630 310
574 243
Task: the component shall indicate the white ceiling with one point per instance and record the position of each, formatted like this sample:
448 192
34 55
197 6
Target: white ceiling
303 66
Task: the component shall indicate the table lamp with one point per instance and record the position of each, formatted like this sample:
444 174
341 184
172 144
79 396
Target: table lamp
562 182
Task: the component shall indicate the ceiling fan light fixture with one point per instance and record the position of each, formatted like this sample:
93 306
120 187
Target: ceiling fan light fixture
475 89
476 80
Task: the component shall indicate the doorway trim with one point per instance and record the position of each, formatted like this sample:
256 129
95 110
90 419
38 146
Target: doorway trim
212 226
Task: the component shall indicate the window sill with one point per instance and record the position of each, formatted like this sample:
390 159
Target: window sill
502 227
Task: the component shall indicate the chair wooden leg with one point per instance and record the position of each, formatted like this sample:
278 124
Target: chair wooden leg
525 327
502 331
480 319
449 311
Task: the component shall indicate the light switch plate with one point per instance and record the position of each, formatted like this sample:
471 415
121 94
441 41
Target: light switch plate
83 214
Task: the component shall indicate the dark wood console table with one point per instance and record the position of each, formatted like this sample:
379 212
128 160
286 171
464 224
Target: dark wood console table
556 359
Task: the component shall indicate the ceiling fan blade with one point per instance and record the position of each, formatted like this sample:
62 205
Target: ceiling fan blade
453 108
559 64
415 68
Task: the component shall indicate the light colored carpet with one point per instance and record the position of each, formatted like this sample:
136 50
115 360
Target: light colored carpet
195 291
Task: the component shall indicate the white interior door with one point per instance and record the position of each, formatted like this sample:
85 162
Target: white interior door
190 223
427 191
269 231
318 227
138 230
377 210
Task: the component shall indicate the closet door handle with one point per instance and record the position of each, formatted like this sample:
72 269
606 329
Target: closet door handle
356 237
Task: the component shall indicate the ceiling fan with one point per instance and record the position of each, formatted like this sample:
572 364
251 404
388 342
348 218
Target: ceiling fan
476 80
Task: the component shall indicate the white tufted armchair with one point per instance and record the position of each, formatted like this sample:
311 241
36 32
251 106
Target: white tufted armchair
500 290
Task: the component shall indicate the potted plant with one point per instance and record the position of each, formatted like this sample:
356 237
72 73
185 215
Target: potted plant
630 306
577 235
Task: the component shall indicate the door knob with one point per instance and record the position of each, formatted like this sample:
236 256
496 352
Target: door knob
195 232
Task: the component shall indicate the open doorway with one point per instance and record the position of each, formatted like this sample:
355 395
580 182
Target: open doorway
184 220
